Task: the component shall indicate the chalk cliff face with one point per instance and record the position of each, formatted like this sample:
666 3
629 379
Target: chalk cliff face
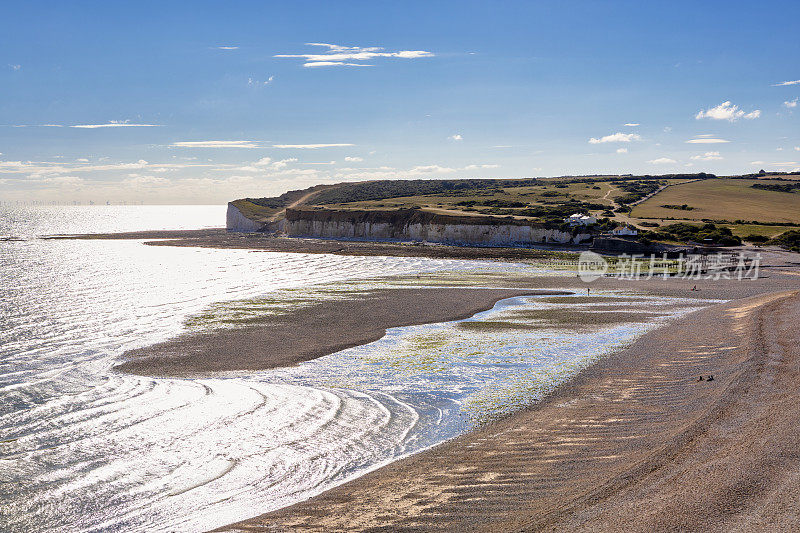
421 226
236 221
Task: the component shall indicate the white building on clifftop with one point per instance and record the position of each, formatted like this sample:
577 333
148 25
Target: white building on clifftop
580 219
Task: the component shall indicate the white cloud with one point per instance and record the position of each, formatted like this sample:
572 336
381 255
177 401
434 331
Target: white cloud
339 48
337 55
15 67
795 82
622 150
227 47
115 124
727 111
137 180
312 64
632 124
477 167
215 144
778 164
82 160
797 148
708 156
311 146
64 181
268 162
662 161
791 103
616 138
707 140
456 137
435 169
256 83
353 159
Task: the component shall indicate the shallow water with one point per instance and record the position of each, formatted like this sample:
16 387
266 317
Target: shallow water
87 449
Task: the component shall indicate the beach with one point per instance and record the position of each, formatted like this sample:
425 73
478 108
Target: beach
633 443
306 333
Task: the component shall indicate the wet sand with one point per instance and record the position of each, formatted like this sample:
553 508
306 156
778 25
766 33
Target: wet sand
634 443
309 332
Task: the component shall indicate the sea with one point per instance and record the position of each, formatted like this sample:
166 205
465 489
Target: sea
86 448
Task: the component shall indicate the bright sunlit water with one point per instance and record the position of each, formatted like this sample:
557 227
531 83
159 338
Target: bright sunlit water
27 222
84 448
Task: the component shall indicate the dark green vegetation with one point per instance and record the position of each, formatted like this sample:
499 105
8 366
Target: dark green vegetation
682 207
790 240
692 233
778 187
639 189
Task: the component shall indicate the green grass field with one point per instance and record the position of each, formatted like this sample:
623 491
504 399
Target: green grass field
722 199
601 192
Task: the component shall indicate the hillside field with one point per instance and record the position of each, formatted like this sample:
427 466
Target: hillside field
722 199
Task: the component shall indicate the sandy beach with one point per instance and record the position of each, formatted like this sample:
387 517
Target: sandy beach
634 443
309 332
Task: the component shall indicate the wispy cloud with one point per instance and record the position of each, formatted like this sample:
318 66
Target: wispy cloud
115 124
790 103
477 167
15 67
662 161
227 47
727 111
783 83
353 159
707 140
256 83
37 126
616 138
456 137
215 144
708 156
622 150
311 146
778 164
337 55
335 64
632 124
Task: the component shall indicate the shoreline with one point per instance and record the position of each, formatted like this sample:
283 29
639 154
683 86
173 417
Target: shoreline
625 444
222 239
310 332
633 442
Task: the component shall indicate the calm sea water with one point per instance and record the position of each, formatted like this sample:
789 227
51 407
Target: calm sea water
84 448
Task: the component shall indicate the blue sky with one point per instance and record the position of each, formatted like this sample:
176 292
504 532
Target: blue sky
192 102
